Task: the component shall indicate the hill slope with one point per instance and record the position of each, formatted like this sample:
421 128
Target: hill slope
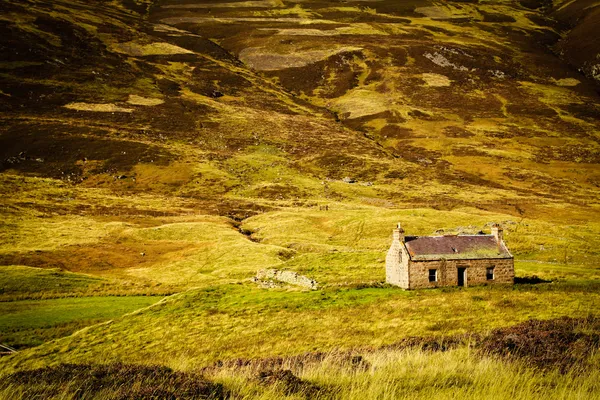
165 147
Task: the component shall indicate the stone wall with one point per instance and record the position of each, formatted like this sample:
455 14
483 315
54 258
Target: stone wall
396 265
447 272
291 277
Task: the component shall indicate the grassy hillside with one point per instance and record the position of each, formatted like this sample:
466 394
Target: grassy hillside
30 323
155 154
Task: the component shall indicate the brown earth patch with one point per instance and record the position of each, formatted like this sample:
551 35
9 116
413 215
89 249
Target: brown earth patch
470 65
540 181
33 97
213 30
418 155
397 56
337 166
530 107
541 20
396 174
580 45
168 87
316 75
455 97
572 153
457 132
213 81
43 150
65 53
281 192
396 132
535 4
566 128
405 8
199 45
496 17
98 259
461 178
586 111
417 114
361 123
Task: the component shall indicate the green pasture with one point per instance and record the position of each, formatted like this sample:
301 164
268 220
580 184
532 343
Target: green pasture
201 326
29 323
18 282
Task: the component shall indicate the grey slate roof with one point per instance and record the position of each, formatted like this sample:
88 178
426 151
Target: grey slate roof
455 247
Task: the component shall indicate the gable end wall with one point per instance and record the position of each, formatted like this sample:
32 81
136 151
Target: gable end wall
396 265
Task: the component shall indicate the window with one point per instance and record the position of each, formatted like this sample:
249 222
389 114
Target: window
489 273
433 275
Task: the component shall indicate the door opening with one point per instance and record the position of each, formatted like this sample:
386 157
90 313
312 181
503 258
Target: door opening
462 276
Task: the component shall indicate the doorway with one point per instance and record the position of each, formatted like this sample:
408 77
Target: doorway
462 276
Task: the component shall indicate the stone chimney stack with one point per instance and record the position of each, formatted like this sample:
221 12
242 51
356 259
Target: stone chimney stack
399 234
498 233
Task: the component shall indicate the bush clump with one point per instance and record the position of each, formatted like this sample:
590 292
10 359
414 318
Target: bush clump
118 381
288 382
559 343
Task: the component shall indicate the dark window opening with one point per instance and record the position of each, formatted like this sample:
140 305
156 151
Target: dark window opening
433 275
489 273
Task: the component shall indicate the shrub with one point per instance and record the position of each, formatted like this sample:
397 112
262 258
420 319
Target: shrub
120 380
558 343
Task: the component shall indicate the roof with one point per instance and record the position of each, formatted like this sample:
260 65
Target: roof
455 247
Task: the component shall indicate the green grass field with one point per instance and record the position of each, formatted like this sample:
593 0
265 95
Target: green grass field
17 282
28 323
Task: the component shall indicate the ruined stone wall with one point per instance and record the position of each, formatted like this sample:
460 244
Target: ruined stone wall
291 277
396 265
447 272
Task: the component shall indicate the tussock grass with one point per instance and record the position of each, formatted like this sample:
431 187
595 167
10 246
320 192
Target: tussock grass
382 374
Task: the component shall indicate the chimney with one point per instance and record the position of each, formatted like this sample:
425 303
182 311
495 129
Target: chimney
497 232
399 233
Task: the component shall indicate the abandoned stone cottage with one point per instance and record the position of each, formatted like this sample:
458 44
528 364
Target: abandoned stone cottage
415 262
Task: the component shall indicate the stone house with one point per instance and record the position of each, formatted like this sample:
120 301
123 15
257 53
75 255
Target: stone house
415 262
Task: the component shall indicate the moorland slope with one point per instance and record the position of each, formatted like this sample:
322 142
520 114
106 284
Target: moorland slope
172 148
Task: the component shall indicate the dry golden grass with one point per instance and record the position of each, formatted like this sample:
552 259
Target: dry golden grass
98 107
